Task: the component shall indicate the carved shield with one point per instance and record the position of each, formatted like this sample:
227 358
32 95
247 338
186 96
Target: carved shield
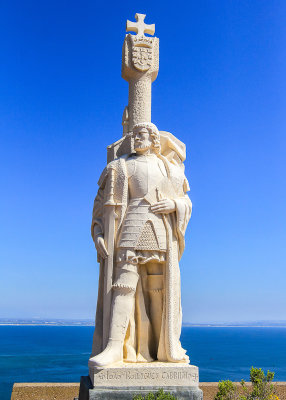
142 58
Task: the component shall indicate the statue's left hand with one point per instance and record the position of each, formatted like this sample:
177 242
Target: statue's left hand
165 206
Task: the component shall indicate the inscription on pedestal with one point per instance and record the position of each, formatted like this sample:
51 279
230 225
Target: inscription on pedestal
155 374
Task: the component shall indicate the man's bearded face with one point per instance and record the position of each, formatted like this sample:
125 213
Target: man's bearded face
142 140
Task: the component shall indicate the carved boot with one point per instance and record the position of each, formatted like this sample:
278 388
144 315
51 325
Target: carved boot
122 306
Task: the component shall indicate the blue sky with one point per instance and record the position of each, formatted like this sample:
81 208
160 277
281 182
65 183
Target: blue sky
221 89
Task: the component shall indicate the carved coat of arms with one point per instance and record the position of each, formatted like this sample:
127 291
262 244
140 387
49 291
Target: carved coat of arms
142 58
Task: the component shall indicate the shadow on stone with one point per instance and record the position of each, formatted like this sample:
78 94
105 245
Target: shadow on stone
88 392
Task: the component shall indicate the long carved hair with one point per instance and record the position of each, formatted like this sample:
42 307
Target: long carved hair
156 145
153 132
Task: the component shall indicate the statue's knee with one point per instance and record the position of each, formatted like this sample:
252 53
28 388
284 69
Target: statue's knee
126 278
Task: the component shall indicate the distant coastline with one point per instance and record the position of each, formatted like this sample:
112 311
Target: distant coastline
45 322
88 322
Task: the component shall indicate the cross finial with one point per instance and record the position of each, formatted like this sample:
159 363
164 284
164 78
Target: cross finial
140 27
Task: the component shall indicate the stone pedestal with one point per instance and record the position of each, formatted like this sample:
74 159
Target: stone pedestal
127 380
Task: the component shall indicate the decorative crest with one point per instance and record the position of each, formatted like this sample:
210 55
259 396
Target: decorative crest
140 27
142 58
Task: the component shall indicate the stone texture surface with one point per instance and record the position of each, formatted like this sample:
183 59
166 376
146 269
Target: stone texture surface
87 392
140 66
68 391
140 215
154 374
45 391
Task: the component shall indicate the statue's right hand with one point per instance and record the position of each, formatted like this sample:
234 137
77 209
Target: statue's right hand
100 246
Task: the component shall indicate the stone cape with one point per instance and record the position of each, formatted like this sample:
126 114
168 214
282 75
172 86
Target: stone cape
169 346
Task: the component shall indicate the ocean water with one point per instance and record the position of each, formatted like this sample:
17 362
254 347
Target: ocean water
60 353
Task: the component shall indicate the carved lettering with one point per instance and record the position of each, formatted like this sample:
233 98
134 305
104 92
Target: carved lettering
133 375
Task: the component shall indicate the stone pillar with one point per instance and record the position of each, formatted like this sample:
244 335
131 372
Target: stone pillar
139 100
140 65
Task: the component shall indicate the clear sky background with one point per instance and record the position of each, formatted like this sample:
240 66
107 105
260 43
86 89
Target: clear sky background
221 89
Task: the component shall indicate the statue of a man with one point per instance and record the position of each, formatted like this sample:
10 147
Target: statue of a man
153 211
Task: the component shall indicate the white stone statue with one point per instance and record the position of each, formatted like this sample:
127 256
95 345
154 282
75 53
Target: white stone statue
152 212
140 216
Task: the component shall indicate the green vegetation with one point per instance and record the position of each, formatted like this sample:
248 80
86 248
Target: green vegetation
261 388
160 395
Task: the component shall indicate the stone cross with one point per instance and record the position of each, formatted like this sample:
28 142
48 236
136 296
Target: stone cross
140 65
140 27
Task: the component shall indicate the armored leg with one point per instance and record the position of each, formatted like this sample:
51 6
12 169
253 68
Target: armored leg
122 303
155 288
